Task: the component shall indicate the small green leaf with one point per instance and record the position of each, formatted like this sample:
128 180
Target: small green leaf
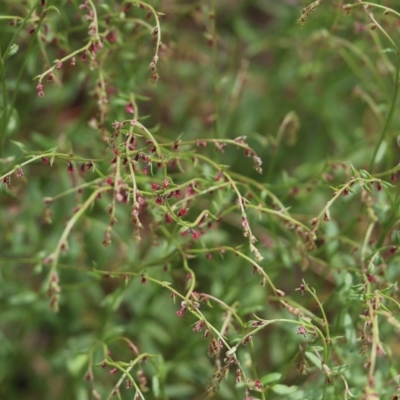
23 298
105 7
349 329
317 348
271 378
389 289
314 359
340 368
364 174
155 385
283 389
396 237
377 259
37 269
76 364
387 185
388 50
11 51
381 152
358 288
49 8
20 145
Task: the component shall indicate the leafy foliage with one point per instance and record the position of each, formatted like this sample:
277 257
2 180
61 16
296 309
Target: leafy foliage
207 194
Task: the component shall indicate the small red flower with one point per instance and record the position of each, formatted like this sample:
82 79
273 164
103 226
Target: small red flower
182 310
40 91
258 384
129 108
111 37
144 157
6 181
199 325
182 212
190 190
219 176
195 234
392 249
159 200
70 167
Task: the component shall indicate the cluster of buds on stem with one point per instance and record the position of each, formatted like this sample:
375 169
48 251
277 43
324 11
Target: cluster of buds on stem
54 292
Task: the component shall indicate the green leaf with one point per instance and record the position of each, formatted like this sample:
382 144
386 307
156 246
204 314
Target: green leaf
20 145
38 268
381 152
271 378
364 174
23 298
388 50
396 237
155 385
53 8
11 51
387 185
317 348
13 121
314 359
283 389
105 7
389 289
349 329
358 288
76 364
340 368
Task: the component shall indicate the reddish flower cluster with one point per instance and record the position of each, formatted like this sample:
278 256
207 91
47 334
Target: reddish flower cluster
182 310
39 88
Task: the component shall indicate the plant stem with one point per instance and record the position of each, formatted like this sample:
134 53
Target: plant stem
389 117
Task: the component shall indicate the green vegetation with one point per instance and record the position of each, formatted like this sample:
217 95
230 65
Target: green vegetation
199 198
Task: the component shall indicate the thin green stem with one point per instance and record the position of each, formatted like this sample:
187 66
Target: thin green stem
389 117
214 49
